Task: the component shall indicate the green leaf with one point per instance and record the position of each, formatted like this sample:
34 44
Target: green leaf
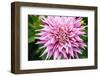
32 18
84 53
33 24
31 39
84 37
84 20
31 34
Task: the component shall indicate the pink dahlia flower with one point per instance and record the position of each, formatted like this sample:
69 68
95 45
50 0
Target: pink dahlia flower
60 36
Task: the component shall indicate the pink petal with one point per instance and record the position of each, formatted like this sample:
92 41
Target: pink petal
71 52
56 54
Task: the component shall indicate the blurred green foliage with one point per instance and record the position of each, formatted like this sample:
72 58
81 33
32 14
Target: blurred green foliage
85 38
33 25
33 48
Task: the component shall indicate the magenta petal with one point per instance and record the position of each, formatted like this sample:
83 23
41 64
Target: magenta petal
59 57
71 52
78 38
50 53
72 34
56 54
63 52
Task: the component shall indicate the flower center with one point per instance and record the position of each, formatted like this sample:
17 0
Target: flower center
61 36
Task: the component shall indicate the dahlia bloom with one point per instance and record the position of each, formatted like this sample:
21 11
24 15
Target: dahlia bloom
60 36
